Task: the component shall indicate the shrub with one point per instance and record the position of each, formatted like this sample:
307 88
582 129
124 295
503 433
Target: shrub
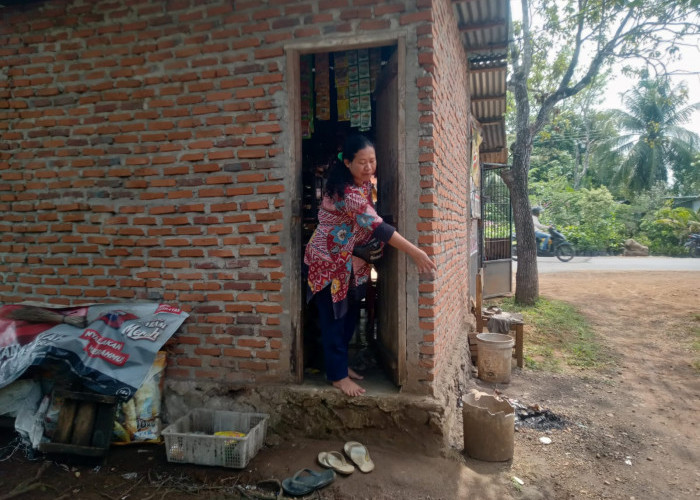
588 217
668 228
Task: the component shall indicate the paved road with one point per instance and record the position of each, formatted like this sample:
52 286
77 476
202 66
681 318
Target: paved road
553 265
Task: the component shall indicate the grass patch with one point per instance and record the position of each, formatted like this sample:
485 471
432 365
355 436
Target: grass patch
541 357
558 333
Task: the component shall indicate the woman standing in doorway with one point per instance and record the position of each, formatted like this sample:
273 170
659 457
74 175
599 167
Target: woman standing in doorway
347 222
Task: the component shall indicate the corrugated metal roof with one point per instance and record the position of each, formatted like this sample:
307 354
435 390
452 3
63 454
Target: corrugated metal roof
486 29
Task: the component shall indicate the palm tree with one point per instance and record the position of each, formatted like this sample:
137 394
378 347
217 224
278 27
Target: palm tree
652 140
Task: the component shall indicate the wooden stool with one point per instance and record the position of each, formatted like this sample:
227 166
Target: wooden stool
516 323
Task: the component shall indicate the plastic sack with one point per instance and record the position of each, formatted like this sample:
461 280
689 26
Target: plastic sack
138 420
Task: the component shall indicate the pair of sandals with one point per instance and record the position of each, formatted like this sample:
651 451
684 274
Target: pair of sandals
307 480
357 453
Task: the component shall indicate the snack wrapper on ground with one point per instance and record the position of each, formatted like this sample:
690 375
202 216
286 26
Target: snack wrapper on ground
139 419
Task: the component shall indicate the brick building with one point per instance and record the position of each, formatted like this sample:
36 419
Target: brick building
160 150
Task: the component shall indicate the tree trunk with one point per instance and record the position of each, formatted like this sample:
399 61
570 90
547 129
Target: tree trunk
587 151
527 286
577 165
584 162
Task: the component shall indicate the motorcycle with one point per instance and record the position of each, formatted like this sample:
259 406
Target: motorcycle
558 247
693 244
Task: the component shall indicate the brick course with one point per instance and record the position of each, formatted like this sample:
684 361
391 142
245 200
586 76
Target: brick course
444 169
141 159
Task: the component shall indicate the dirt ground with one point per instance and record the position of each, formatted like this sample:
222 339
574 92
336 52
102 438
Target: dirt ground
631 430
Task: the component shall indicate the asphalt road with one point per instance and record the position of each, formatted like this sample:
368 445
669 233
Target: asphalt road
553 265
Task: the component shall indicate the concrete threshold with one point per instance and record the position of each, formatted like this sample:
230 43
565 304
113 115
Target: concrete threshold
317 410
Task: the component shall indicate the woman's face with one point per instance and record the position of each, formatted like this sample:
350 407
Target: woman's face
363 166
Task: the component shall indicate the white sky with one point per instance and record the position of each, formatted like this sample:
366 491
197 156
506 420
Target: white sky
617 85
688 62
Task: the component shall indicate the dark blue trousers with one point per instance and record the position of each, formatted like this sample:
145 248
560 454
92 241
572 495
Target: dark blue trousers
336 333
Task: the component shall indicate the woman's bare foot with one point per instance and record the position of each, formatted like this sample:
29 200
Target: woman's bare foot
349 387
354 375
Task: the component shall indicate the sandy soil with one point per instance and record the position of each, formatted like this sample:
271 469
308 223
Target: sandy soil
631 428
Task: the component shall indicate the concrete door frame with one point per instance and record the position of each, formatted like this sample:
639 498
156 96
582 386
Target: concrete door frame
293 141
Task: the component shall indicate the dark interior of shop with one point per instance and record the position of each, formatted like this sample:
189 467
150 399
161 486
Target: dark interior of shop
337 94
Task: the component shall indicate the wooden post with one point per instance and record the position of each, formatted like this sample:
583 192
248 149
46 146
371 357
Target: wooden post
519 344
479 305
83 423
64 427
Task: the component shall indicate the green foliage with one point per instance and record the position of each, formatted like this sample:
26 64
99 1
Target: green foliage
495 230
668 228
640 206
576 143
687 175
496 215
653 140
559 48
587 217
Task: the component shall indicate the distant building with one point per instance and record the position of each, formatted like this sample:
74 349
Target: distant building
692 202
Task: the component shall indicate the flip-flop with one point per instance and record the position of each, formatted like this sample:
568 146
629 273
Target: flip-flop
268 489
359 455
334 460
306 480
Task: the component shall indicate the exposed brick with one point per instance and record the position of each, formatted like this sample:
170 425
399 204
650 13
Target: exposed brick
238 353
118 182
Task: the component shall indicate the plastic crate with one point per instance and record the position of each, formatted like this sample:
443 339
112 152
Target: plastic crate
191 438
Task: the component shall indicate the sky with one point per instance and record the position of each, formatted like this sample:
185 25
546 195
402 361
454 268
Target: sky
687 63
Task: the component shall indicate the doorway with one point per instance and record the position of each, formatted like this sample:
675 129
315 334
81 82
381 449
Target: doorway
341 92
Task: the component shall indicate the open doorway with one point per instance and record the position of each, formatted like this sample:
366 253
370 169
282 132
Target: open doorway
342 92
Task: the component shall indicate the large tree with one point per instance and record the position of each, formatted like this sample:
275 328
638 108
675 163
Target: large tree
653 139
575 145
559 48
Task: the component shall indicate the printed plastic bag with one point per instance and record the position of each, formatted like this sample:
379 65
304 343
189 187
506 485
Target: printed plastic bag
139 419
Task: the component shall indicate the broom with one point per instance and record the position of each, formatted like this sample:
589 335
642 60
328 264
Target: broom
39 315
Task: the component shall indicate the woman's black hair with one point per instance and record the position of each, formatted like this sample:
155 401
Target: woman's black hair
339 176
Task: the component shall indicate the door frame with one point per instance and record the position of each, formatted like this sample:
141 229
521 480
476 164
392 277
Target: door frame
391 183
293 157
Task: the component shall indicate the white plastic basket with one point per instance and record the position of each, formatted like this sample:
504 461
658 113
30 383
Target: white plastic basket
191 438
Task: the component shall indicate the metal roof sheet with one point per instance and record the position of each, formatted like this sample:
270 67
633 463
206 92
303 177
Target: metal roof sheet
486 30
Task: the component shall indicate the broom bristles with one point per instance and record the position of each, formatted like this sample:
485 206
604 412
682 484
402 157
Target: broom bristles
39 315
77 321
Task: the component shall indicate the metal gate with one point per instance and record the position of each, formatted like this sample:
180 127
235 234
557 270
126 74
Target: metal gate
496 232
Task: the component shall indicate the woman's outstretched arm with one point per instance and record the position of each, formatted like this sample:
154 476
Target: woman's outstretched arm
420 258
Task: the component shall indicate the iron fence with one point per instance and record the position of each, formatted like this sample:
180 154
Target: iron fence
496 214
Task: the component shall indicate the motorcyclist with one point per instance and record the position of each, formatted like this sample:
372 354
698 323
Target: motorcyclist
539 228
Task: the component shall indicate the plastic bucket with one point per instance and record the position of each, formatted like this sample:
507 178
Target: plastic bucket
489 428
494 352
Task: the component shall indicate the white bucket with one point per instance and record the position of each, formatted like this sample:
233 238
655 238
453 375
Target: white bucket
494 353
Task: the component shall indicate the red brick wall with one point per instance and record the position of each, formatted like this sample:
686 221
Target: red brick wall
141 157
444 166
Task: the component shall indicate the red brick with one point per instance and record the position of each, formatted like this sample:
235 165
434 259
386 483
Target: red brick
268 53
267 354
252 365
389 8
238 353
374 25
416 17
